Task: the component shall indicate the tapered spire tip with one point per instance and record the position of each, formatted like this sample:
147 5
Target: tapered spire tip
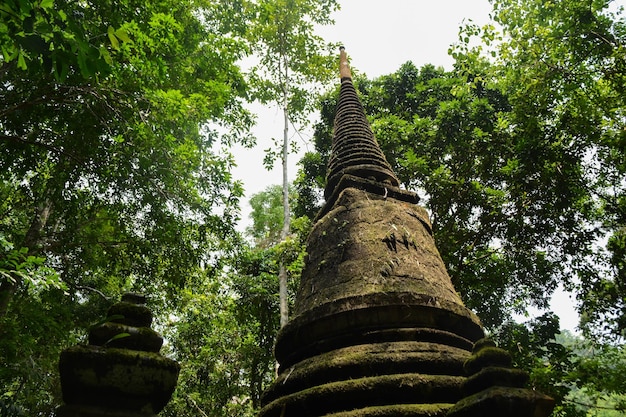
344 67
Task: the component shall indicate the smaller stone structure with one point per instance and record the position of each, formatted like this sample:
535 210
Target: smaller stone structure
494 388
120 373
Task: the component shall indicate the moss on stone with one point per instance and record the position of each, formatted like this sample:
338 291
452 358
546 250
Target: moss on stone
400 410
117 378
358 252
504 401
366 392
337 324
369 359
495 376
138 338
483 343
131 314
487 356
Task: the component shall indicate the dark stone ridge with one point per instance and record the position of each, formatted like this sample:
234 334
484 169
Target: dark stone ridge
131 314
120 373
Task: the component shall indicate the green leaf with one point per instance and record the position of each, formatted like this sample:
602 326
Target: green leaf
104 53
82 64
117 337
114 42
21 62
46 4
122 35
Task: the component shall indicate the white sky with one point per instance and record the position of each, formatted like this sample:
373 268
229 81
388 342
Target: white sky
378 37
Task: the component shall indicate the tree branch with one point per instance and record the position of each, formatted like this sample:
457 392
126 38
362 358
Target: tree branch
195 404
22 140
100 293
598 407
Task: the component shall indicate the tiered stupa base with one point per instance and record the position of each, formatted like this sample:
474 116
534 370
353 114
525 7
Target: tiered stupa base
377 379
120 373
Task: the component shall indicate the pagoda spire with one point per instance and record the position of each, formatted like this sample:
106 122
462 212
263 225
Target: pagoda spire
355 150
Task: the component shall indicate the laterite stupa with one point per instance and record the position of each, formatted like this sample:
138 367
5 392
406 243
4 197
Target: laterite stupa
378 328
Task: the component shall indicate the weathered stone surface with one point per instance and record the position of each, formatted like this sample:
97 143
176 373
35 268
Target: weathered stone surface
369 359
494 388
120 373
400 410
138 338
355 150
366 392
369 244
117 378
494 376
487 356
372 264
130 314
504 401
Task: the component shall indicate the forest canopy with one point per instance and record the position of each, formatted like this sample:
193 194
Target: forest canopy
118 122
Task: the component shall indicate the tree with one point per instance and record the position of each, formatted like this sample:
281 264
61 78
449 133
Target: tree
291 61
222 338
267 217
227 322
518 155
562 68
582 375
111 173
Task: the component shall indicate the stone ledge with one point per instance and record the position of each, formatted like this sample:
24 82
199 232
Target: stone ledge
391 358
403 410
386 390
504 401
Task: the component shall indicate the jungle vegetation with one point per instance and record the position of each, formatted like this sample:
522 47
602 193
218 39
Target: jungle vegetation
117 124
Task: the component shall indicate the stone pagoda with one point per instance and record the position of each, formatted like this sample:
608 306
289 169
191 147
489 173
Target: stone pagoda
120 372
378 329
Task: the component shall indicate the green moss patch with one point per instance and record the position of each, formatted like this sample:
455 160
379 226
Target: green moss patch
402 410
366 392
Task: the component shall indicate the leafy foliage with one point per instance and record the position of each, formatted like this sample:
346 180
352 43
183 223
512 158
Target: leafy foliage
225 352
112 172
226 328
583 376
266 216
562 68
293 60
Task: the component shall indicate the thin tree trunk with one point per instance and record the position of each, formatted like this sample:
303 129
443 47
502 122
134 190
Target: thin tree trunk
282 273
31 241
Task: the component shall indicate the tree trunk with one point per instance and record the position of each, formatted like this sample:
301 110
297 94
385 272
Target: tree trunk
31 241
282 273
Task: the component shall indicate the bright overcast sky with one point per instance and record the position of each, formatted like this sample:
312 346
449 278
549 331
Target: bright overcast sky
381 36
